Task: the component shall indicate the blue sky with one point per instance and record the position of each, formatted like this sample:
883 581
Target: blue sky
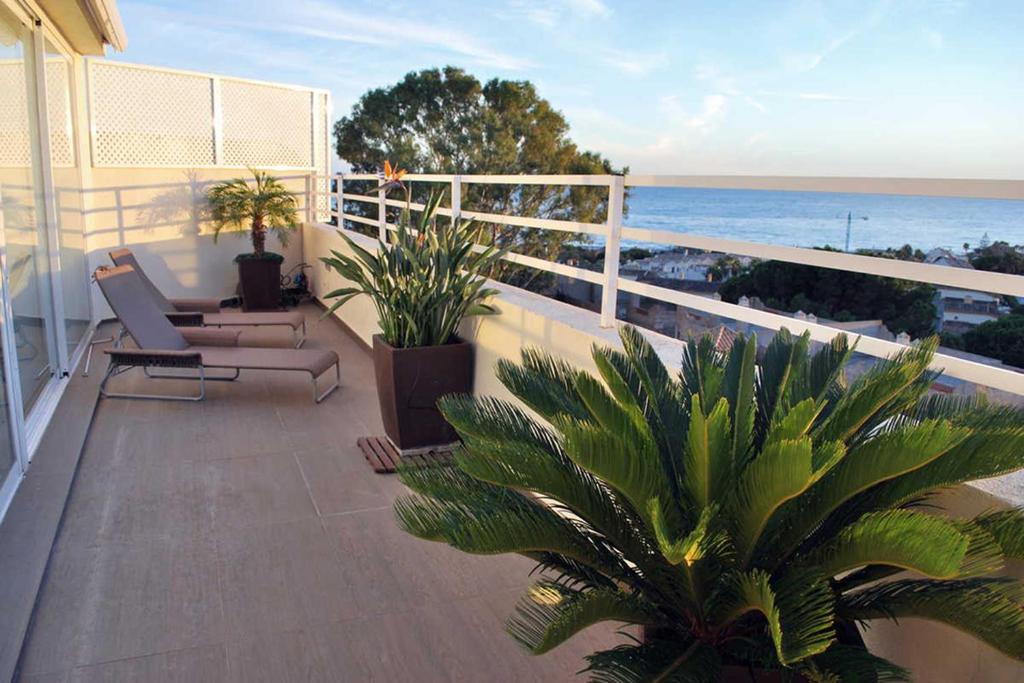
929 88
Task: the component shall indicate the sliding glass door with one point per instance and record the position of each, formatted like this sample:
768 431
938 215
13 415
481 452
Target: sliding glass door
24 346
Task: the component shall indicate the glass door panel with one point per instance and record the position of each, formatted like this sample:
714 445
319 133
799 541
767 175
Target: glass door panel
27 262
74 278
17 212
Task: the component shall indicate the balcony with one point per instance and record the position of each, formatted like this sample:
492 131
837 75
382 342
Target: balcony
245 537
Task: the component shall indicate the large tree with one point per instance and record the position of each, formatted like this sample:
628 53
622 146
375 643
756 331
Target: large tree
447 121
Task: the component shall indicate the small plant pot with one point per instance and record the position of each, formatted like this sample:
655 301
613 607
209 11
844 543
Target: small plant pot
409 383
260 280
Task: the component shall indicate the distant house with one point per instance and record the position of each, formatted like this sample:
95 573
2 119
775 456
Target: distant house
675 265
958 310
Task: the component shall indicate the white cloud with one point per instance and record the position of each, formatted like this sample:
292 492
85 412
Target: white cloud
712 109
756 104
315 19
635 63
708 72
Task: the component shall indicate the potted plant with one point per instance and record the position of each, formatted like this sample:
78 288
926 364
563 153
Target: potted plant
263 206
423 283
747 515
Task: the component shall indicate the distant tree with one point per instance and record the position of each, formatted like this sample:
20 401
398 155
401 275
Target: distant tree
999 257
447 121
724 268
1002 339
837 294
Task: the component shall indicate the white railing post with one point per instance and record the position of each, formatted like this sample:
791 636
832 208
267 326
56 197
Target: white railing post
610 285
310 189
340 199
456 199
218 122
382 212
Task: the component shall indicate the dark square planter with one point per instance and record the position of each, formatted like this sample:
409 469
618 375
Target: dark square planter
261 284
409 382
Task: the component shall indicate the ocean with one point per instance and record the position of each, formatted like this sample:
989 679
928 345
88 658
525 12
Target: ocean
818 218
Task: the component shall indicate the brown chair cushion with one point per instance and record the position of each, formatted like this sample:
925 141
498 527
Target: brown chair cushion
291 318
313 361
209 336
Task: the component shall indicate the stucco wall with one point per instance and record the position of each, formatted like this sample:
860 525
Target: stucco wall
160 214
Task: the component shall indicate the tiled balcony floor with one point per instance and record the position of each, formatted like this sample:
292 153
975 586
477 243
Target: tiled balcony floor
244 538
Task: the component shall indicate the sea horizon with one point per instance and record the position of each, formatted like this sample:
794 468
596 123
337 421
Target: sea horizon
817 219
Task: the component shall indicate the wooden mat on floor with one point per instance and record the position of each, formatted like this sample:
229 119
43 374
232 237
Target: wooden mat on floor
384 459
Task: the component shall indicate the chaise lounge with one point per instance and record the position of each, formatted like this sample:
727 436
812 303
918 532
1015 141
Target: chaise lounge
161 345
207 312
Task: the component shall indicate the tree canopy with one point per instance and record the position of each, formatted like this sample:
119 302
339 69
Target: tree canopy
447 121
999 257
837 294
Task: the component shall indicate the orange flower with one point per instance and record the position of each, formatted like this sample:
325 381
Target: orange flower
393 175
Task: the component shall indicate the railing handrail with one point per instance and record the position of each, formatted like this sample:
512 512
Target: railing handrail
613 231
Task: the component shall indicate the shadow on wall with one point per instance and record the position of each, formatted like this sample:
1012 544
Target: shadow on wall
163 216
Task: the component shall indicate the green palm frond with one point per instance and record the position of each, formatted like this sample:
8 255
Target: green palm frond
988 609
549 614
265 204
905 539
851 664
798 610
1007 528
659 661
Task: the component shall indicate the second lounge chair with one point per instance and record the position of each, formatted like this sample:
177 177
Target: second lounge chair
207 312
161 345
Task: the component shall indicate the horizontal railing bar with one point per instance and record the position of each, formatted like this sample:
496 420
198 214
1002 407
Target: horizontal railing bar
358 198
359 219
928 187
544 223
522 179
960 278
556 268
998 378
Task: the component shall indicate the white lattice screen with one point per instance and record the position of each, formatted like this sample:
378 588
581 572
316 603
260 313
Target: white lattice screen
266 126
15 146
14 133
142 116
58 113
146 117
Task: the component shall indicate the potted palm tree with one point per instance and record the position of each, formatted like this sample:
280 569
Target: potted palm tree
746 515
423 282
263 206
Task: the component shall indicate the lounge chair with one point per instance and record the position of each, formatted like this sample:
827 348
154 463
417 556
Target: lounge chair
161 345
207 312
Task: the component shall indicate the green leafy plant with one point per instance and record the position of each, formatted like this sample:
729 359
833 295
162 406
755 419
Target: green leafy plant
258 207
423 281
749 512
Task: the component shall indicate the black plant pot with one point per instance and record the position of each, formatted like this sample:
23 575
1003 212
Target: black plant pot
409 382
260 280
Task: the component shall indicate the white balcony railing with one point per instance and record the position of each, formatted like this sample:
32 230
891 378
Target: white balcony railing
613 231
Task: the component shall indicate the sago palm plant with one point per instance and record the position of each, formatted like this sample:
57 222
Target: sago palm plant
423 281
265 205
747 513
